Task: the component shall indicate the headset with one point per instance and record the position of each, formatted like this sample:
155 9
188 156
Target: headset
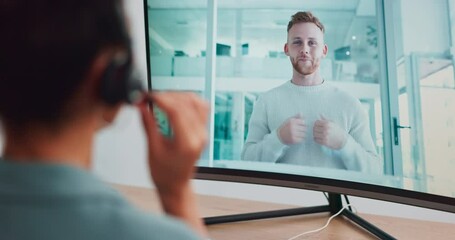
119 83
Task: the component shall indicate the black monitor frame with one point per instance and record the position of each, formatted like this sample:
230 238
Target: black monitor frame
378 192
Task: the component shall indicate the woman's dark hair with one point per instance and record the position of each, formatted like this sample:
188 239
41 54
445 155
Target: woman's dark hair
46 48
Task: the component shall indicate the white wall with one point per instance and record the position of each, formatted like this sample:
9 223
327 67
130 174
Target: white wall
120 158
119 154
120 151
425 26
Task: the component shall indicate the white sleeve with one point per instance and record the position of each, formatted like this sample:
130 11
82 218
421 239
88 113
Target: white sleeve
262 144
359 152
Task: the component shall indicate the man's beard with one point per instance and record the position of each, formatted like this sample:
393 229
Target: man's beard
305 70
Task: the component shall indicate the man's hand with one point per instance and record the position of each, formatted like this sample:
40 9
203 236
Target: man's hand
327 133
172 160
293 130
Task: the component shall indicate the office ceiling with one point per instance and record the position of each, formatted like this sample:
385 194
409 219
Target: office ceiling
255 4
182 24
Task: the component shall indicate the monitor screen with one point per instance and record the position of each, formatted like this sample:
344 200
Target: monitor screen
355 102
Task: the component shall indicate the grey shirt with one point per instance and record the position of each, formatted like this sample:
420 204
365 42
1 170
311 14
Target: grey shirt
51 201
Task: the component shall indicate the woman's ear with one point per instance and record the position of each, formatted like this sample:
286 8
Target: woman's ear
100 66
108 115
96 71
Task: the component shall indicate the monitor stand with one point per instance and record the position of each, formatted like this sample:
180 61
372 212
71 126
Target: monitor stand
335 205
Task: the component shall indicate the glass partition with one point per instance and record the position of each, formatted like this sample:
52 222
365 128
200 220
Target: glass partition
177 43
425 95
426 107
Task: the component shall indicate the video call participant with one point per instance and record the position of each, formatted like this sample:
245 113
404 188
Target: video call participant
63 70
307 121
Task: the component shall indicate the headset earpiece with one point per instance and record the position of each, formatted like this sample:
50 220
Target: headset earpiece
118 84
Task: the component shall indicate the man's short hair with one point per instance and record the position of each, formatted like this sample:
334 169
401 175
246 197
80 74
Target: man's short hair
305 17
46 49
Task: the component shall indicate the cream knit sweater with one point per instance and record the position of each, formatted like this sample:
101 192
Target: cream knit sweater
277 105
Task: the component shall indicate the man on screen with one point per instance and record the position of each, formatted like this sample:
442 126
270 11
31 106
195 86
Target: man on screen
307 121
64 68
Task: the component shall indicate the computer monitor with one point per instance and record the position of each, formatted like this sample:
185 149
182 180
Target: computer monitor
409 100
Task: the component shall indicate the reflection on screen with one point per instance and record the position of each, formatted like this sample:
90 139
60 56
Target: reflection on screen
250 61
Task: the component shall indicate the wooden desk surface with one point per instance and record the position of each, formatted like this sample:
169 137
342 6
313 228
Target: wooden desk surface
286 227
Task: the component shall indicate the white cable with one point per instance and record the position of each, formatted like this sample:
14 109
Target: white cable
327 224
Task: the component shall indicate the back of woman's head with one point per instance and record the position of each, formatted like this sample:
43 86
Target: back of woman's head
46 48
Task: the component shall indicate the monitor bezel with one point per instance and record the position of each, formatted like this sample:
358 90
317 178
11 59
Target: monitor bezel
358 189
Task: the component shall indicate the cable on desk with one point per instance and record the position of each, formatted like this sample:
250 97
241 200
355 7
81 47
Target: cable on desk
347 202
323 227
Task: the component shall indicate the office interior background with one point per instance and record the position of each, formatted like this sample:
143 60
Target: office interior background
397 60
409 76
